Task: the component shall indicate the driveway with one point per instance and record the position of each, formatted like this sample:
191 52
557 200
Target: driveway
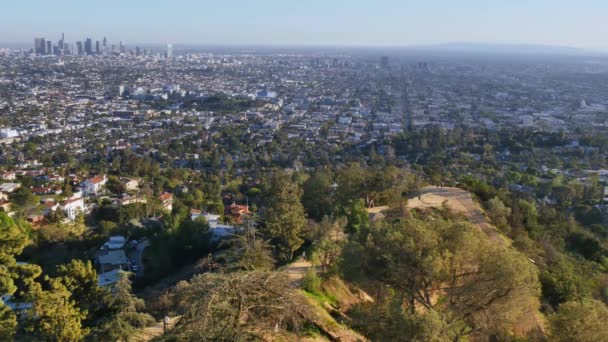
136 254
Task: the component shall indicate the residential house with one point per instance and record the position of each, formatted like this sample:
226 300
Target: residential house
72 207
49 205
217 229
115 242
8 175
131 200
237 212
9 187
113 260
94 185
195 213
166 200
108 278
43 190
130 184
35 218
5 206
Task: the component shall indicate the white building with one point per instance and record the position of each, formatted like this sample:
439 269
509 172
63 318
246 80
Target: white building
9 175
7 133
9 187
72 207
92 186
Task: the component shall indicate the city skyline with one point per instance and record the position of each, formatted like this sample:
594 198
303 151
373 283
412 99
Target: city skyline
89 46
339 23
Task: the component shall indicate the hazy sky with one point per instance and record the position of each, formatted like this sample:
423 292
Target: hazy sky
578 23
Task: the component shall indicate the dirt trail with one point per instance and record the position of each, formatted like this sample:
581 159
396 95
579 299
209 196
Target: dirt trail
150 333
297 269
460 201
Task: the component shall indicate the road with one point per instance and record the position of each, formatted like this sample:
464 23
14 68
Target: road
136 254
461 201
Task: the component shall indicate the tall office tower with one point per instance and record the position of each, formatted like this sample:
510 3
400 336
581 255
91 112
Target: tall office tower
97 47
88 46
122 48
42 46
137 51
384 62
105 42
61 42
49 47
169 50
79 48
37 42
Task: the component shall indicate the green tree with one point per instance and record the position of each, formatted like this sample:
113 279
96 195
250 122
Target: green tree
357 219
389 321
325 252
55 316
80 278
318 196
13 239
417 257
285 218
128 318
115 185
562 281
249 252
580 321
24 199
499 212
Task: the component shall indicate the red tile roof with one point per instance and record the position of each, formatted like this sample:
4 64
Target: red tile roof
165 196
96 179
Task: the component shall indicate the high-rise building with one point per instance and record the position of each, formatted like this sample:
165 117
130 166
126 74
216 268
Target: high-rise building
79 48
105 42
97 47
88 46
49 47
137 51
37 46
384 62
42 46
169 50
122 48
61 42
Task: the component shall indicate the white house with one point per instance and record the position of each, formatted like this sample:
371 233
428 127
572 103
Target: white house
72 207
92 186
8 175
9 187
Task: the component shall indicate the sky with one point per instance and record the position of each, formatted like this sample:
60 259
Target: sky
580 23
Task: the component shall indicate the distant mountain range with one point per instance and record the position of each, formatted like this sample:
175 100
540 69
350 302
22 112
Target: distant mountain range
528 49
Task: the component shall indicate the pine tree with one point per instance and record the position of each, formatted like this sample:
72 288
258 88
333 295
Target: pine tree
55 316
285 218
129 317
13 239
